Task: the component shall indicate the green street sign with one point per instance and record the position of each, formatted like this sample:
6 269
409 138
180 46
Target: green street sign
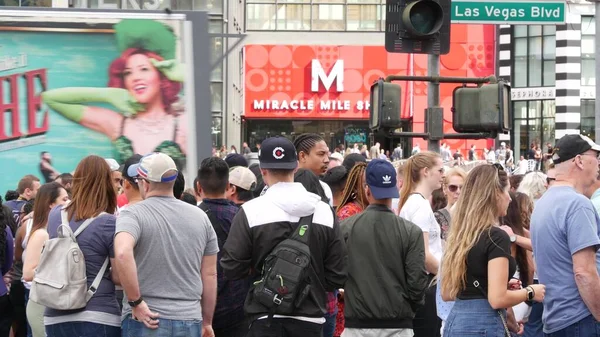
516 12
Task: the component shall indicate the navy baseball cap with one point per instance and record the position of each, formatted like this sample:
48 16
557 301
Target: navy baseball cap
277 153
236 159
381 179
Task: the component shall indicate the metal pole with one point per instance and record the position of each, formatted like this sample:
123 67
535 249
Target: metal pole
433 94
597 50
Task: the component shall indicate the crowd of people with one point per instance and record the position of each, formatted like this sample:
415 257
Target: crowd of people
308 242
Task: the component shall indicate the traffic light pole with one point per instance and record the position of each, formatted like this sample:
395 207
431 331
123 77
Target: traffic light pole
434 113
433 99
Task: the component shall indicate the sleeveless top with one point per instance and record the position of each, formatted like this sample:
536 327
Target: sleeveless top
123 148
28 227
46 173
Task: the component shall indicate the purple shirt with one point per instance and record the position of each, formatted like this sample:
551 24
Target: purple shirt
9 252
96 243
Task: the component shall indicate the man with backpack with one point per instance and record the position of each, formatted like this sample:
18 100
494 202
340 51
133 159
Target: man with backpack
289 242
213 184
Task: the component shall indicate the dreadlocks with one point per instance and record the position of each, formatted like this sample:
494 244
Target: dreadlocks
306 141
354 190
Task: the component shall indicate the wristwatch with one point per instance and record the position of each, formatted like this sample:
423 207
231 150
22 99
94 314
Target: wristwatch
513 238
530 293
135 303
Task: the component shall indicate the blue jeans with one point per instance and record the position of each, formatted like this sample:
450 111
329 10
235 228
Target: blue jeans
329 326
82 329
166 328
587 327
29 333
534 326
470 318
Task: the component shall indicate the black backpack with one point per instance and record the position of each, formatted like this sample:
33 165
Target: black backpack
287 272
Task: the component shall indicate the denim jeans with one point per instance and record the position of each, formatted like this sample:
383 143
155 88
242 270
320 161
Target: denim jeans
587 327
166 328
329 326
470 318
82 329
534 326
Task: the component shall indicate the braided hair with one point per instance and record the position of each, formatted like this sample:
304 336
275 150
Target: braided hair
354 190
306 141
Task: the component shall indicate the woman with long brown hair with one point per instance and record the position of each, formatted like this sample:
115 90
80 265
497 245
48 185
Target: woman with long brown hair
423 174
48 196
477 264
94 198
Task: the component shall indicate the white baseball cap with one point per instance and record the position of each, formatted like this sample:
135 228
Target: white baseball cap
242 177
114 166
153 167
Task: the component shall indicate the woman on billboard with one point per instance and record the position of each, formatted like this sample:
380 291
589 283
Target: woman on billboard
143 107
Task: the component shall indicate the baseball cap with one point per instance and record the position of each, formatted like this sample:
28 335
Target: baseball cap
277 153
381 178
153 166
569 146
114 166
337 156
236 159
242 177
135 159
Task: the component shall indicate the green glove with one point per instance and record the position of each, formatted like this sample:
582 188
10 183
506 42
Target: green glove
172 69
69 101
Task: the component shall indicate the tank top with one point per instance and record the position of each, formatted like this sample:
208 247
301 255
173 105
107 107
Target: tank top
28 227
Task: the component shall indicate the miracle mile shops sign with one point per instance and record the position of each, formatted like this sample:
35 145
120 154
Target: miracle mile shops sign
508 12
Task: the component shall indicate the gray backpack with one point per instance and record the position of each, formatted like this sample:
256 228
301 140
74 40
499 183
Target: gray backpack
60 280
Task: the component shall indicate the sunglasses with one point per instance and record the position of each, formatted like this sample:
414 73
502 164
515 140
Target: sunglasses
550 180
454 188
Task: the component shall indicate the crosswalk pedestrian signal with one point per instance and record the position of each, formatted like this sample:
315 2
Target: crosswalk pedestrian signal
417 26
384 110
482 109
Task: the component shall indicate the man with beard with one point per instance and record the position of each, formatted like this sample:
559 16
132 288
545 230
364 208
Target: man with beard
48 172
313 155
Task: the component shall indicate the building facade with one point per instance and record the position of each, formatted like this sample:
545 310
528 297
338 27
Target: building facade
309 65
552 73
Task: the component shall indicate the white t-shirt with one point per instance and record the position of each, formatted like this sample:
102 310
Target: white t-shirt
418 210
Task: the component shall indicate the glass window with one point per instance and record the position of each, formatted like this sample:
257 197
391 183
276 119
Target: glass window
328 17
182 4
215 26
216 53
216 131
520 109
362 17
588 126
216 94
534 123
37 3
520 31
534 50
293 17
588 45
212 6
260 17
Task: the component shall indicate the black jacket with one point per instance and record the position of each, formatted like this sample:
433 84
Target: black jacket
264 222
386 270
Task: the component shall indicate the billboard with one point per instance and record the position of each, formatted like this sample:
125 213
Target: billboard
93 84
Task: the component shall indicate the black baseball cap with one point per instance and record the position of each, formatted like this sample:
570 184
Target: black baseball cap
570 146
381 179
133 160
277 153
236 159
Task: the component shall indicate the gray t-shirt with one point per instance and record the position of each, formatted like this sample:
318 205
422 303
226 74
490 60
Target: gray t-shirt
171 237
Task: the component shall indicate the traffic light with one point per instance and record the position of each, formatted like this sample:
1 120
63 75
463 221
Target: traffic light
482 109
417 26
385 105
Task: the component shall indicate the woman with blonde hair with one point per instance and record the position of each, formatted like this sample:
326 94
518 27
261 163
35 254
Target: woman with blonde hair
477 264
534 184
423 173
452 186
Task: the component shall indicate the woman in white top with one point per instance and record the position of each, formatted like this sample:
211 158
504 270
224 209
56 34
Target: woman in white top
423 174
48 196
